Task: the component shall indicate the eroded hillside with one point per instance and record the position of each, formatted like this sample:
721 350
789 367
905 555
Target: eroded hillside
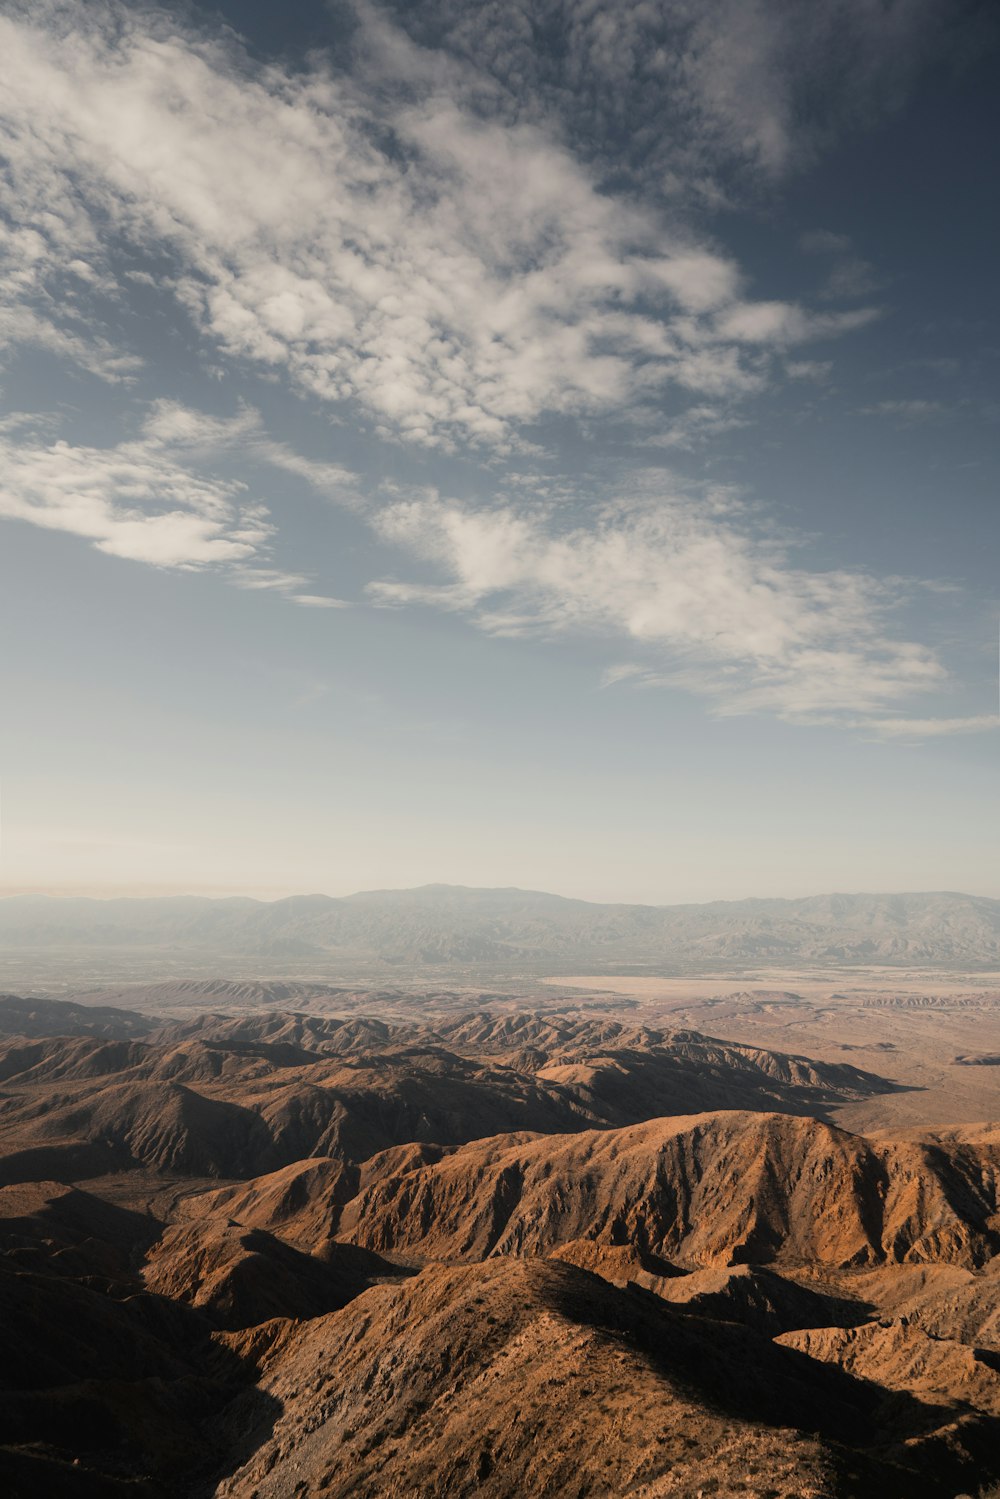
507 1253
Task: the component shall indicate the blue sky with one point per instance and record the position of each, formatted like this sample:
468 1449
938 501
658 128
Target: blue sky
535 444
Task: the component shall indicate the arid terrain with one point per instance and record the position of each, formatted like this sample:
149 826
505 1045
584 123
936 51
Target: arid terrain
591 1235
569 1250
937 1033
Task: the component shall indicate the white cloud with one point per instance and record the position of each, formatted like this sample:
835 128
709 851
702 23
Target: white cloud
258 579
318 601
458 285
784 324
155 498
43 269
694 428
931 728
710 607
458 273
134 500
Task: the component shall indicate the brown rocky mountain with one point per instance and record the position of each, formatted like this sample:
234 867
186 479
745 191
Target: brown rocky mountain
302 1203
240 1104
287 1254
704 1190
54 1017
324 1034
243 1276
535 1377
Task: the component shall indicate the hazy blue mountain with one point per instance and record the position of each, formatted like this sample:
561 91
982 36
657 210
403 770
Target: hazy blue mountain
453 927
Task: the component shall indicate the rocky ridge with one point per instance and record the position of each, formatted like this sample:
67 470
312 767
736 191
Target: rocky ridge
289 1254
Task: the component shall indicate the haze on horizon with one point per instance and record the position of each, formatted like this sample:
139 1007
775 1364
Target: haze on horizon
267 895
510 445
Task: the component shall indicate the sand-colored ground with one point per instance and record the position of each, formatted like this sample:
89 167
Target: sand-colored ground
854 982
910 1026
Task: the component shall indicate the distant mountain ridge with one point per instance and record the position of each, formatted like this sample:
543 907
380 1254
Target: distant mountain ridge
458 927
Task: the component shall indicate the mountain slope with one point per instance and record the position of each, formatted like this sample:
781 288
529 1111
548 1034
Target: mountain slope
516 1378
53 1017
713 1189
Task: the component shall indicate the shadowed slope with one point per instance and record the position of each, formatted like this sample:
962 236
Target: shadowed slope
59 1230
122 1124
300 1203
749 1294
532 1377
243 1276
103 1395
902 1357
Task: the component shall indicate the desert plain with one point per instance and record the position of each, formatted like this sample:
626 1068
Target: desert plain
938 1034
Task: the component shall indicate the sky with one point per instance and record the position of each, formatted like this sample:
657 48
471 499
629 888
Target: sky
545 444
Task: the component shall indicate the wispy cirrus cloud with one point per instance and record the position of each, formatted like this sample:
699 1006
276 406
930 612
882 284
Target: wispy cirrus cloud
456 275
783 324
709 602
931 728
850 276
711 606
157 498
907 412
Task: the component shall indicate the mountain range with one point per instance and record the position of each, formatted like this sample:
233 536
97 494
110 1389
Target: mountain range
228 1096
446 928
282 1255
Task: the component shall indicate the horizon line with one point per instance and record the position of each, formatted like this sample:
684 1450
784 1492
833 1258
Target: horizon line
225 893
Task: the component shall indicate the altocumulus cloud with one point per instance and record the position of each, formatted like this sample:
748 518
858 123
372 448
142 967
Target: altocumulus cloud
424 238
456 286
682 92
